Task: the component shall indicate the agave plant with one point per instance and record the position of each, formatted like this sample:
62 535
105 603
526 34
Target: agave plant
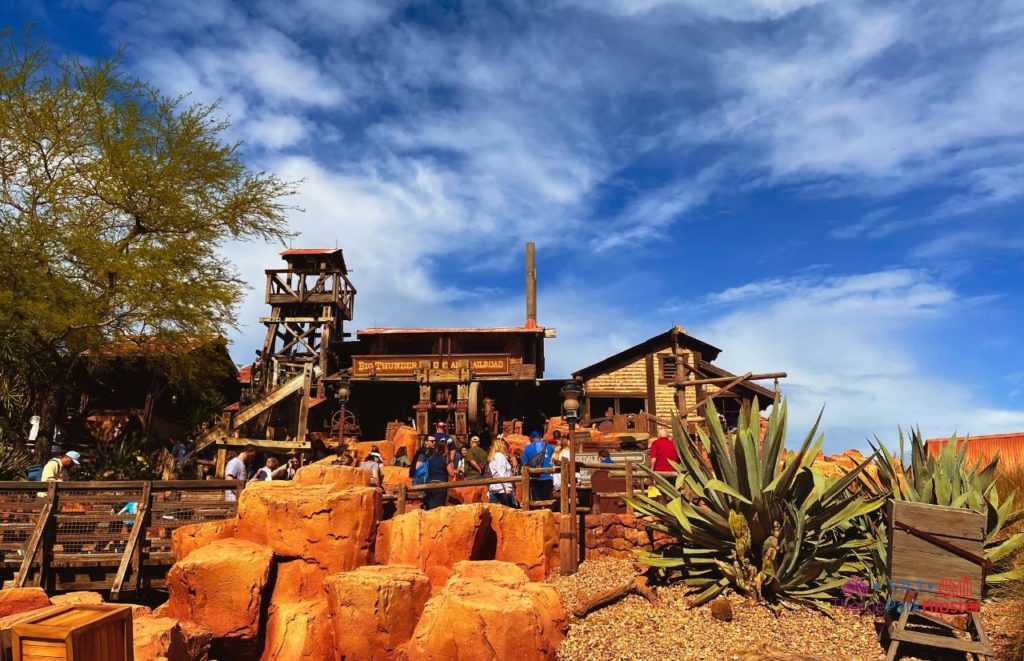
14 461
749 516
947 480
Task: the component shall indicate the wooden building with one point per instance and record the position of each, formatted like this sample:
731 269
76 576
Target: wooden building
643 380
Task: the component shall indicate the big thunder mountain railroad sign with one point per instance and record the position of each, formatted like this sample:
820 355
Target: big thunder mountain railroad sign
385 366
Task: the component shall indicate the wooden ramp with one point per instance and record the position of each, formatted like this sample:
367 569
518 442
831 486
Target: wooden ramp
104 536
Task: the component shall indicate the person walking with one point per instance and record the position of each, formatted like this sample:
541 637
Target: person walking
418 465
475 465
538 455
498 465
288 469
237 469
438 470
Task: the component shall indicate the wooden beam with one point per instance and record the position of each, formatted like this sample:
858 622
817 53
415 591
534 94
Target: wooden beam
307 383
727 379
35 543
262 444
735 382
275 397
652 392
131 553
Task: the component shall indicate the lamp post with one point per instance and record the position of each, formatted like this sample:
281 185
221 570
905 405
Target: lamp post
570 412
342 394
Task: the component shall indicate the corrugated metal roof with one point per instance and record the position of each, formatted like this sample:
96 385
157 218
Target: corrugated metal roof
309 251
1010 448
435 331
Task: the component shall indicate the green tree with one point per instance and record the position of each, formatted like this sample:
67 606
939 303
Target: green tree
115 202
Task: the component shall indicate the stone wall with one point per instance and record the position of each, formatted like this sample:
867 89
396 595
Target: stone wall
616 536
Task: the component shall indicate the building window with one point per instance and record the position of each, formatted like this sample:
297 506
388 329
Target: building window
411 347
668 367
481 346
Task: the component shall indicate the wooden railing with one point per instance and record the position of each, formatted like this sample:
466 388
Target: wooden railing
112 536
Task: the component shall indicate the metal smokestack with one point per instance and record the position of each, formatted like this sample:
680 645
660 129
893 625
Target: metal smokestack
531 286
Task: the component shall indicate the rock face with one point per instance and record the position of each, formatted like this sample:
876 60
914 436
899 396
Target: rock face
334 528
376 609
434 541
167 639
221 586
186 539
476 616
395 475
299 630
19 600
338 477
408 438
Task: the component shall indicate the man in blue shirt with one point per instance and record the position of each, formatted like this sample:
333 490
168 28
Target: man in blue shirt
538 455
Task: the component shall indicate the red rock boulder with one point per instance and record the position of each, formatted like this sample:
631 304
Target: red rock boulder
19 600
335 528
362 448
299 630
167 639
221 587
408 438
186 539
395 475
434 541
338 477
475 617
375 610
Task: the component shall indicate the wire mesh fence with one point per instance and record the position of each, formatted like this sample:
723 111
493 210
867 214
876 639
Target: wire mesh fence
20 508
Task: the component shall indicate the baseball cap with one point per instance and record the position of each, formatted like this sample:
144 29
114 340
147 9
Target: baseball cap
74 456
535 435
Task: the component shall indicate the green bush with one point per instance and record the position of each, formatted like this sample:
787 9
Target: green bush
14 461
749 516
947 480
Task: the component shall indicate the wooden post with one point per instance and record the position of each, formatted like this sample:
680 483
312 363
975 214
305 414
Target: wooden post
629 487
133 551
222 462
37 543
400 503
307 383
525 504
565 536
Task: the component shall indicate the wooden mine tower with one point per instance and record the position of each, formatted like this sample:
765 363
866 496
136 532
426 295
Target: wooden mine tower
309 302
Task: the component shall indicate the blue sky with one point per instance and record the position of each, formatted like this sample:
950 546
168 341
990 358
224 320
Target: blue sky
830 189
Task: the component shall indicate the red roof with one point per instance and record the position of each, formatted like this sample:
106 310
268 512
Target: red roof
245 374
437 331
1010 447
309 251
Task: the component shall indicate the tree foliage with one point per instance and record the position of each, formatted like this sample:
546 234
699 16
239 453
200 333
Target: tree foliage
115 203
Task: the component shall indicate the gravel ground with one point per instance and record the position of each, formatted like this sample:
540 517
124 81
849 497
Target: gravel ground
633 629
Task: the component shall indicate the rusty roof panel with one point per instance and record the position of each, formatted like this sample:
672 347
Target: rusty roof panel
309 251
1010 448
438 331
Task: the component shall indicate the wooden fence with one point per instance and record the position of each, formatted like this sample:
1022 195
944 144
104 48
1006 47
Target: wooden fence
112 536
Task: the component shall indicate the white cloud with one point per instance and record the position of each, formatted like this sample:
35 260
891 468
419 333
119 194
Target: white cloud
737 10
849 343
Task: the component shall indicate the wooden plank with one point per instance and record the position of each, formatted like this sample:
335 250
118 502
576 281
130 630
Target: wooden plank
34 546
307 383
276 396
131 549
934 640
652 385
525 483
942 521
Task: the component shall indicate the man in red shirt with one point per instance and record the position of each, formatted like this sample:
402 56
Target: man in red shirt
663 450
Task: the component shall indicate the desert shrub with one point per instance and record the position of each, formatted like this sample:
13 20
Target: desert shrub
751 517
949 481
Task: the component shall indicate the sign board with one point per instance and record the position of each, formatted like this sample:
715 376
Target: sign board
408 365
617 456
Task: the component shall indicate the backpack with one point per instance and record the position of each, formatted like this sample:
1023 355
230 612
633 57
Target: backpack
421 475
537 460
35 471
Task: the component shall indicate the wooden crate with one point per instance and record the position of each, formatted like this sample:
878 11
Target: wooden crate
80 632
